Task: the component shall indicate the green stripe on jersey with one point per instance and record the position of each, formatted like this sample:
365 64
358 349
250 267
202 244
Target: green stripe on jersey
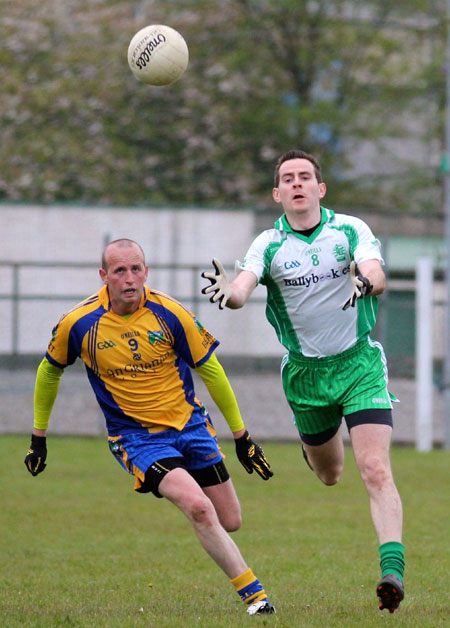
278 317
276 309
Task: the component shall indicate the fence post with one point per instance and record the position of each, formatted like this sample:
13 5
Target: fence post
424 354
15 301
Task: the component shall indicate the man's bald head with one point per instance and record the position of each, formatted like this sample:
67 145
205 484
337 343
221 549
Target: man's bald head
121 243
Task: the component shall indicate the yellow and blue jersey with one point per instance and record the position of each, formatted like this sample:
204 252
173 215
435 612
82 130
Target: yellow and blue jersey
138 366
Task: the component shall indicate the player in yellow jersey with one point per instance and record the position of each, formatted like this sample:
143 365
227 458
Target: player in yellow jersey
139 346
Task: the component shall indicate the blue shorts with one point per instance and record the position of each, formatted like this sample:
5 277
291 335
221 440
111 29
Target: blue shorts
196 444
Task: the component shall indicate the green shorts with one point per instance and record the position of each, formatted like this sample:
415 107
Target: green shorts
321 391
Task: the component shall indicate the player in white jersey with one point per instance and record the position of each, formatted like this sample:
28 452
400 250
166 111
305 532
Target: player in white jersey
323 272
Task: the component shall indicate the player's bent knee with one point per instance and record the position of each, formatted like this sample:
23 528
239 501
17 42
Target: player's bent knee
328 480
374 473
231 521
331 475
201 510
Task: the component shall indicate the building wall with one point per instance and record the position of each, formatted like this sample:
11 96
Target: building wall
69 234
78 234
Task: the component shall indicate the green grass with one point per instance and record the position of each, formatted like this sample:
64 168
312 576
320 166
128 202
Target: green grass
80 548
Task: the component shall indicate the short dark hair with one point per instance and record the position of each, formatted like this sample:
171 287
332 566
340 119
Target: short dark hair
124 242
296 153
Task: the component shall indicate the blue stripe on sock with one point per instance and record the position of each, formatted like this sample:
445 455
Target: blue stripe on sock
250 589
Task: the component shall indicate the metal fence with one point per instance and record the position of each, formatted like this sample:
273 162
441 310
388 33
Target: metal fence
36 282
36 294
33 293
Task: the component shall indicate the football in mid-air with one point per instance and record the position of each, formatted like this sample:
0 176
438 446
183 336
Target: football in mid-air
158 55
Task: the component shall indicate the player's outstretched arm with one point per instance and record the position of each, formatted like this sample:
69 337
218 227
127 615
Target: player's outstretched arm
248 452
232 294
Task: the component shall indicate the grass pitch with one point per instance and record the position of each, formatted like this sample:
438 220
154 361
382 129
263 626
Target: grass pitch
80 549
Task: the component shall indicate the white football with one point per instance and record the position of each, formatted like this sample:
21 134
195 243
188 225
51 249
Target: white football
158 55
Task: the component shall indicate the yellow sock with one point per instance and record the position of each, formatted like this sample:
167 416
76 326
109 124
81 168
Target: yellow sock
249 588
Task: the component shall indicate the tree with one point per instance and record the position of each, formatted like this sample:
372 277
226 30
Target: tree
360 87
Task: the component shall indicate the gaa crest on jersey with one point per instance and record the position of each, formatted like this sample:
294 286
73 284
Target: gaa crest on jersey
156 337
339 252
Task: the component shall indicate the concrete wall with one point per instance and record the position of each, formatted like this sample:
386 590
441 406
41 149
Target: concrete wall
35 233
78 234
68 233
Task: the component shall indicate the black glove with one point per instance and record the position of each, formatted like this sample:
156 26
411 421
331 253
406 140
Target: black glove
251 456
37 454
361 286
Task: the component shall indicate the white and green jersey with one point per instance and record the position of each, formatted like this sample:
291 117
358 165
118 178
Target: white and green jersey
308 282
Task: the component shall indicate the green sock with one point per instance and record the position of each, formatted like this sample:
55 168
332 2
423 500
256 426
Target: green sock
392 559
